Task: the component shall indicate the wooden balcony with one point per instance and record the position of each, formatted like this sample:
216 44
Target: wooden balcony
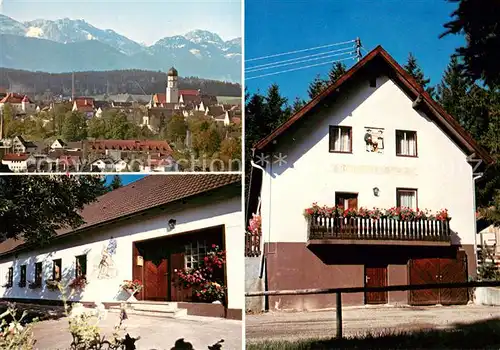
383 231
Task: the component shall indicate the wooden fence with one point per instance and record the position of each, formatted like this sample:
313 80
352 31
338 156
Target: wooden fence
340 291
252 244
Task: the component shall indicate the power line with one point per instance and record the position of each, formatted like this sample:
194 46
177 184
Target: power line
303 61
299 58
297 51
295 69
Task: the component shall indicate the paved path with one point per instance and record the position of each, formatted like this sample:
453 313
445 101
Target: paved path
358 320
156 333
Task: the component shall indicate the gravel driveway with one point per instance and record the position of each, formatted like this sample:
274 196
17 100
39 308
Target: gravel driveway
359 320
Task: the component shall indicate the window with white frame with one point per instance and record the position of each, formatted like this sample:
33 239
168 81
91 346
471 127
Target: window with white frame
406 197
194 253
406 143
340 139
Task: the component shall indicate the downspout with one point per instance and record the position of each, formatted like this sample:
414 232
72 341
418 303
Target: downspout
262 259
474 179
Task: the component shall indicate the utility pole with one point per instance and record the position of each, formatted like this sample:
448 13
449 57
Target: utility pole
358 49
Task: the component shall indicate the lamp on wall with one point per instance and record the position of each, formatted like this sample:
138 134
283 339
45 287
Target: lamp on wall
171 224
376 191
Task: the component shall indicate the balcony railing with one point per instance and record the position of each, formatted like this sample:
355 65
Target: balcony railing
322 227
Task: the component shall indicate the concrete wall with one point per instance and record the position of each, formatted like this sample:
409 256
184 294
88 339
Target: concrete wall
313 174
254 284
92 243
487 296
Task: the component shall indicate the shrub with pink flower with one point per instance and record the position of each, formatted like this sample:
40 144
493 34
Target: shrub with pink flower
255 225
210 292
201 278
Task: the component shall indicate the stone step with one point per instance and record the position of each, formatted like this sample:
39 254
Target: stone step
138 310
152 308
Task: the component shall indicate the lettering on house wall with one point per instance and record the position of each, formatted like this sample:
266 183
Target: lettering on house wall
373 169
374 139
106 268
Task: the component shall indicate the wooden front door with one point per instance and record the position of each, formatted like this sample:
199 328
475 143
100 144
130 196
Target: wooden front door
177 293
155 280
439 270
375 276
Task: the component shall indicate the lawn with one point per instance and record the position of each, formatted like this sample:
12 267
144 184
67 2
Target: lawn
481 335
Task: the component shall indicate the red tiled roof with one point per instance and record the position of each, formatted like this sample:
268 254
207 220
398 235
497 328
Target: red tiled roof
194 99
15 156
13 97
236 120
150 192
131 145
191 92
160 98
84 102
401 77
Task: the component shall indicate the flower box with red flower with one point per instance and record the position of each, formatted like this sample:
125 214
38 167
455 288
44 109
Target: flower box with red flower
78 283
133 286
35 285
53 285
396 223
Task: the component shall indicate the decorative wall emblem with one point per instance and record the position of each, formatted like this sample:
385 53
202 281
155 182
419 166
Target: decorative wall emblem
106 268
374 139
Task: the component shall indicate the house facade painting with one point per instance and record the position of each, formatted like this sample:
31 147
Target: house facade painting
144 231
374 139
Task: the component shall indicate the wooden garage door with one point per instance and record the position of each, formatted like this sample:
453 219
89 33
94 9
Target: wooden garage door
439 270
454 271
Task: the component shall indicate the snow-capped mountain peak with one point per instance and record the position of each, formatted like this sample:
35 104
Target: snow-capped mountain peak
196 51
199 36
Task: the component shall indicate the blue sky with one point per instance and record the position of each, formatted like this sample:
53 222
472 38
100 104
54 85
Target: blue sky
126 179
142 21
400 26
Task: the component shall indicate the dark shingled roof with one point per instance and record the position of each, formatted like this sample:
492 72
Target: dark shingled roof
147 193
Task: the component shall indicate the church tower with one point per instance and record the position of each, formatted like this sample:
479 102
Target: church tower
172 89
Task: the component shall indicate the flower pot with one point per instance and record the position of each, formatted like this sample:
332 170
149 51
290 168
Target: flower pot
131 297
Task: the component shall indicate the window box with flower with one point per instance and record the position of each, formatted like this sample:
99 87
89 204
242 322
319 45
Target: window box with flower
396 223
78 282
53 285
35 285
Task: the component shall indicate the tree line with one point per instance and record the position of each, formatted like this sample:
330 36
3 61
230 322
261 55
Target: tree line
469 91
45 85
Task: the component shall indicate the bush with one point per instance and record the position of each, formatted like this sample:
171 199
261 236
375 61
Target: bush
13 335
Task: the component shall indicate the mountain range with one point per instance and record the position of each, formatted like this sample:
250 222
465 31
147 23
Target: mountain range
67 45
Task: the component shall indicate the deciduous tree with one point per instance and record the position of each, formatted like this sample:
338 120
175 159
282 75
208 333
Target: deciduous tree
33 208
74 127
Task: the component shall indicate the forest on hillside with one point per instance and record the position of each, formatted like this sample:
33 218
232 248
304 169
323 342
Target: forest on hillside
111 82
